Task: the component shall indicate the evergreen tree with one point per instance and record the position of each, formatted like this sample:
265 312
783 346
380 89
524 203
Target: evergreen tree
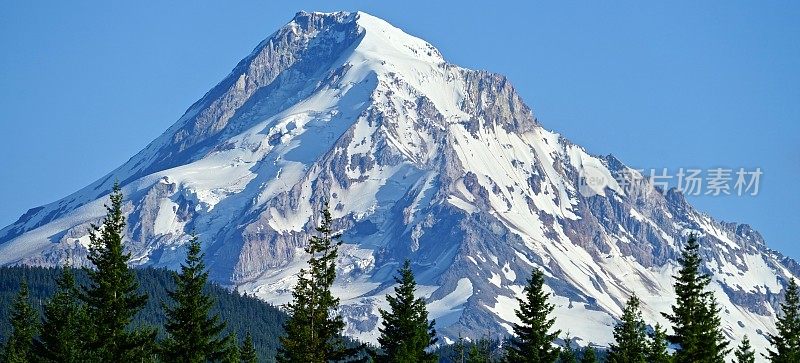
232 353
248 352
298 327
589 355
568 353
24 325
744 352
481 351
112 298
459 351
313 331
695 317
242 313
63 336
786 344
192 332
406 332
532 341
630 338
657 346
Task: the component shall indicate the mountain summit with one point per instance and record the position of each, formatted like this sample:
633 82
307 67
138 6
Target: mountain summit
419 159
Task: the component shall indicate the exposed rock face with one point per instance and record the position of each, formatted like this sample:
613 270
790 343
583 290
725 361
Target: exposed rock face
418 159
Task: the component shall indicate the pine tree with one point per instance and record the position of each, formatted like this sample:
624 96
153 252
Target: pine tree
112 298
568 353
192 332
298 326
695 317
786 344
657 346
532 341
459 351
630 338
232 353
481 351
63 336
744 352
714 344
313 331
248 351
406 333
589 355
24 325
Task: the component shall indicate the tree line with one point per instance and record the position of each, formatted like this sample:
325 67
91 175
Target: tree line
242 313
314 328
94 322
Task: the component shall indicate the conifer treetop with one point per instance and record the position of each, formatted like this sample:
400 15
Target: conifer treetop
744 352
785 345
695 315
112 297
406 333
314 329
24 326
533 340
630 338
193 333
63 330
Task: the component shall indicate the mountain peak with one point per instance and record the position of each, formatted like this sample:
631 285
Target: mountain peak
419 159
381 37
306 20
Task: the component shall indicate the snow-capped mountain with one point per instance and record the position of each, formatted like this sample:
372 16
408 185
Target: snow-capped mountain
419 159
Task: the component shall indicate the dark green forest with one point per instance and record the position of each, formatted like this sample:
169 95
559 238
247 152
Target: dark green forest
242 313
113 313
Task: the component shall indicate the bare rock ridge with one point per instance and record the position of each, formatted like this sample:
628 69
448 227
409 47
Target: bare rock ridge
419 159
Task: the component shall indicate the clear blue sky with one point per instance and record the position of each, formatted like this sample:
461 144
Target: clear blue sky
85 85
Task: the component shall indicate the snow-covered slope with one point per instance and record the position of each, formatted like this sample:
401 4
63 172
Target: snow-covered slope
419 159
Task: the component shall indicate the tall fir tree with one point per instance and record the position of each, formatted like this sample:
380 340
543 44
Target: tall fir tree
532 340
589 355
480 352
24 326
232 353
630 337
744 352
406 333
112 297
568 354
248 351
695 316
193 333
460 352
313 330
298 326
63 335
786 343
657 346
